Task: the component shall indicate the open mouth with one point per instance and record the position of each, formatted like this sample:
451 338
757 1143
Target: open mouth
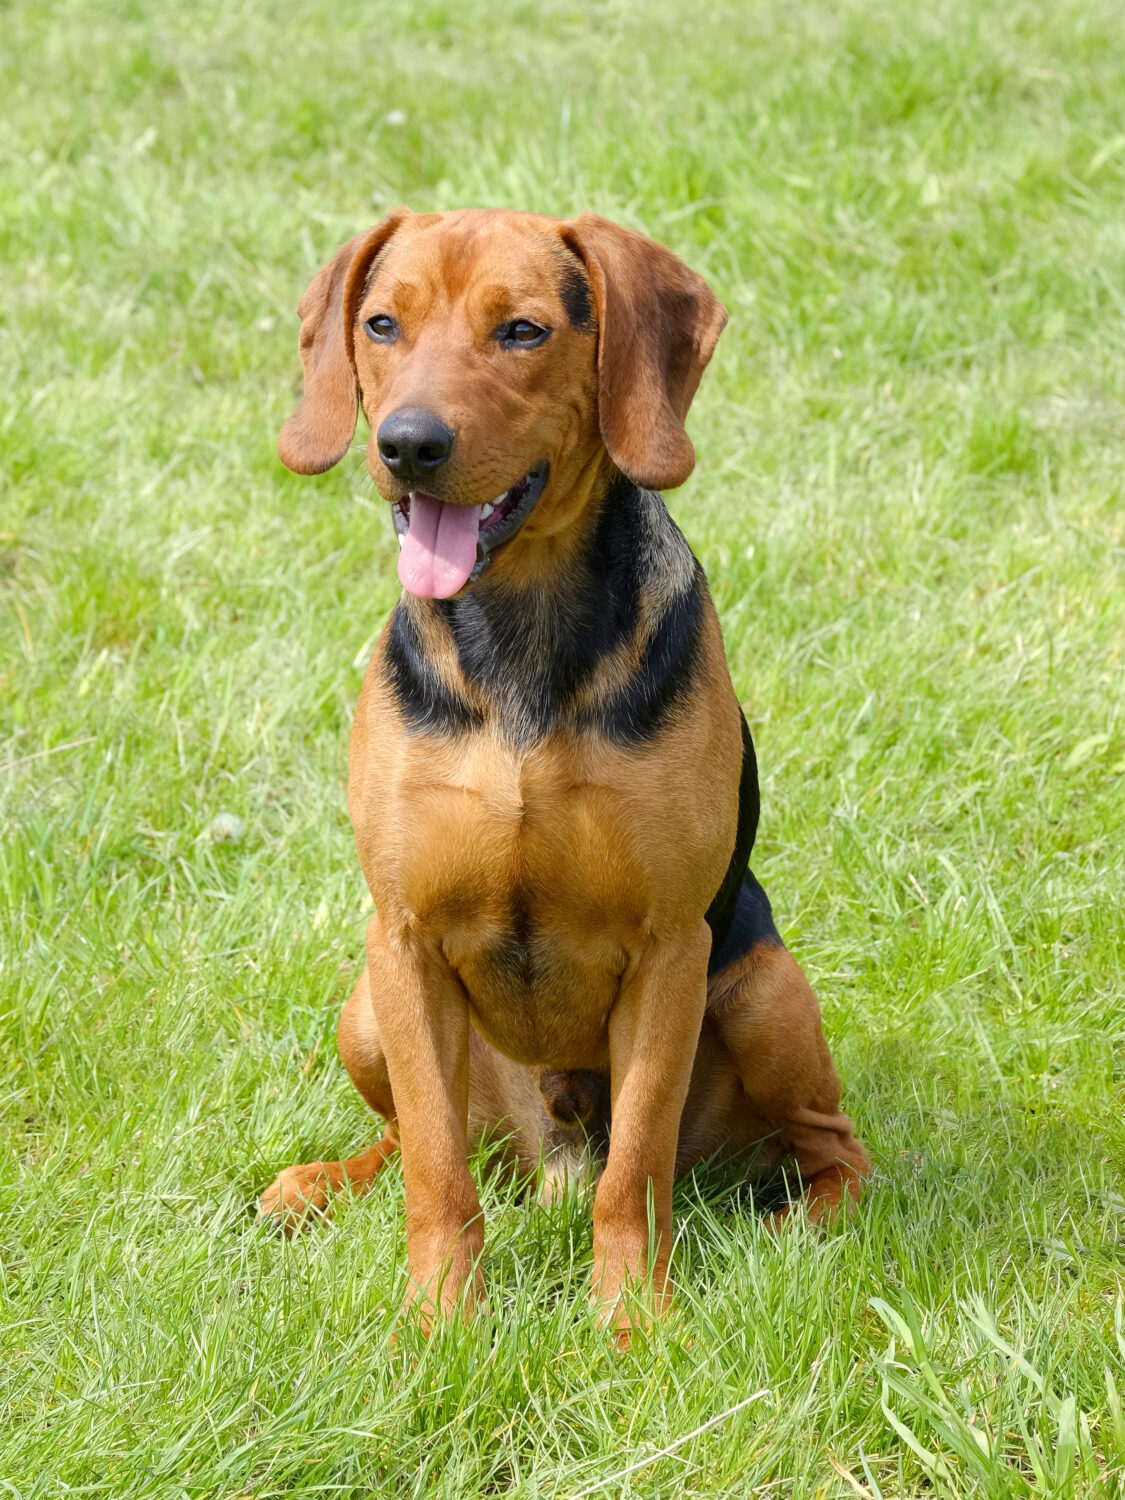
442 546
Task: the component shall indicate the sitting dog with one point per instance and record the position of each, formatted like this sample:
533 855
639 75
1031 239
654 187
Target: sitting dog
553 788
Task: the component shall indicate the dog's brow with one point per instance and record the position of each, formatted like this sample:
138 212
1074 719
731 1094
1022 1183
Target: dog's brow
405 292
498 299
379 272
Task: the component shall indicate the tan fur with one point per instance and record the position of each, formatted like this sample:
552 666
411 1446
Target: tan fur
612 854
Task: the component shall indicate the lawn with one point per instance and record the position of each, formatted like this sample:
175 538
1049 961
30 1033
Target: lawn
909 503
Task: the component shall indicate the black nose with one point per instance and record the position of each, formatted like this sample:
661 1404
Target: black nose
414 443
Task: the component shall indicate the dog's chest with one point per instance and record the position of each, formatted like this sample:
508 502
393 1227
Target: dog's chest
530 878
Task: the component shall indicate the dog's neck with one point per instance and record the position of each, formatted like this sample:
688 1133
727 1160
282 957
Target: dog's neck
611 642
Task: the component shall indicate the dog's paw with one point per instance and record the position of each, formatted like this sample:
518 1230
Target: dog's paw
825 1197
296 1196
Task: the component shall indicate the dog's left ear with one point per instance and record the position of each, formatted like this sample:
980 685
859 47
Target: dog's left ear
320 431
658 324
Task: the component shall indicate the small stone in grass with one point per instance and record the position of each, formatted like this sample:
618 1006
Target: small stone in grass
227 828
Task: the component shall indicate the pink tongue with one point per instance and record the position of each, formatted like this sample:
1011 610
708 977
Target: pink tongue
440 547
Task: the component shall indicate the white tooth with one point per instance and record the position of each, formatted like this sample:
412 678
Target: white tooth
486 511
401 540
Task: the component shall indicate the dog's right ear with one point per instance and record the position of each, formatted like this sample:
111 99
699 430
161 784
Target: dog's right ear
319 432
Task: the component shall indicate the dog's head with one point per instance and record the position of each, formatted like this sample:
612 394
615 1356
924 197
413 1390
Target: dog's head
504 362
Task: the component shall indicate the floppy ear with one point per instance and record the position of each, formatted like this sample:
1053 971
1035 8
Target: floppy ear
319 432
658 324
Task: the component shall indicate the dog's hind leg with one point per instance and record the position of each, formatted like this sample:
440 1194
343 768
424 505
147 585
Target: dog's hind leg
768 1021
303 1192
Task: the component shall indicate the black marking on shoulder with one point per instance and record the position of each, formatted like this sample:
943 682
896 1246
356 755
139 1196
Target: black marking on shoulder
723 909
575 295
752 923
427 704
663 674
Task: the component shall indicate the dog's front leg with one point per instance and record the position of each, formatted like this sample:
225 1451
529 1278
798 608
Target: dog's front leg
653 1034
423 1018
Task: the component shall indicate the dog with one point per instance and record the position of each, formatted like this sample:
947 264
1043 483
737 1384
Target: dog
553 788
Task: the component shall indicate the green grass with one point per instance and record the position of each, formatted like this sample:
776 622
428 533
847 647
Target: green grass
910 506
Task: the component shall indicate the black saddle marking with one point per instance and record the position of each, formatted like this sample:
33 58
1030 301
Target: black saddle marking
734 911
663 675
752 923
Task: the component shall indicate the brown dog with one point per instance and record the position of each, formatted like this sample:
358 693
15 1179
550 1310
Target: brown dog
553 790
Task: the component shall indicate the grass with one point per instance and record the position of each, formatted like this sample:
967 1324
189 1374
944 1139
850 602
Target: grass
910 508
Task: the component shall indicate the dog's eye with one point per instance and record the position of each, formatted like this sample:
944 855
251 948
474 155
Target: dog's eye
521 333
382 328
